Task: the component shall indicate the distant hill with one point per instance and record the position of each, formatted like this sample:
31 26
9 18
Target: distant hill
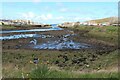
111 20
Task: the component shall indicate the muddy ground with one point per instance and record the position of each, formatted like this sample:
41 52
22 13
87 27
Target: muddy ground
16 53
78 37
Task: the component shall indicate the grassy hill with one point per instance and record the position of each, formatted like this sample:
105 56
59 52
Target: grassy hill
109 19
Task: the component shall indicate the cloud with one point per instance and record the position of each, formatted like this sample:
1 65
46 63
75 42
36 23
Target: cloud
52 18
33 16
87 18
49 16
63 9
77 19
28 15
36 1
45 17
59 4
46 8
60 17
82 18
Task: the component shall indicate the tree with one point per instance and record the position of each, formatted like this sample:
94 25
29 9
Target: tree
2 23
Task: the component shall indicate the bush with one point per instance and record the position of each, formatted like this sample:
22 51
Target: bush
42 71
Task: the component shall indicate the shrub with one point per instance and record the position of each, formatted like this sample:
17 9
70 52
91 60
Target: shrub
42 71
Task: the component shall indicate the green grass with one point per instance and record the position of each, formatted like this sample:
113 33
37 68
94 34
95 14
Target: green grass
106 60
105 33
41 72
45 72
8 27
99 75
108 33
22 59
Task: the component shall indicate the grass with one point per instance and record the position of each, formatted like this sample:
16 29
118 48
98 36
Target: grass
41 72
11 27
106 60
45 72
99 75
104 20
8 27
16 62
108 33
105 33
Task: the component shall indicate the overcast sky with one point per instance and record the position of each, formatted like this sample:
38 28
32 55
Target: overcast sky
58 12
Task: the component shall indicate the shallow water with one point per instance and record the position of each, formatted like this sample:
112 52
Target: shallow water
60 45
63 42
24 36
54 27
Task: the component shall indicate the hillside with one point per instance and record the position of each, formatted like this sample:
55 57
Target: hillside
110 20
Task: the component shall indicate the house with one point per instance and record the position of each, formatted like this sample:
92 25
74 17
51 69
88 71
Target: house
85 23
115 24
90 23
105 24
69 24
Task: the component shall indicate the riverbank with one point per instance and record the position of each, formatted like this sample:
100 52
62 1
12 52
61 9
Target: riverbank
102 56
106 33
24 27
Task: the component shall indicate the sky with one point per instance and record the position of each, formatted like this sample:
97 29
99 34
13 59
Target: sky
58 12
59 0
